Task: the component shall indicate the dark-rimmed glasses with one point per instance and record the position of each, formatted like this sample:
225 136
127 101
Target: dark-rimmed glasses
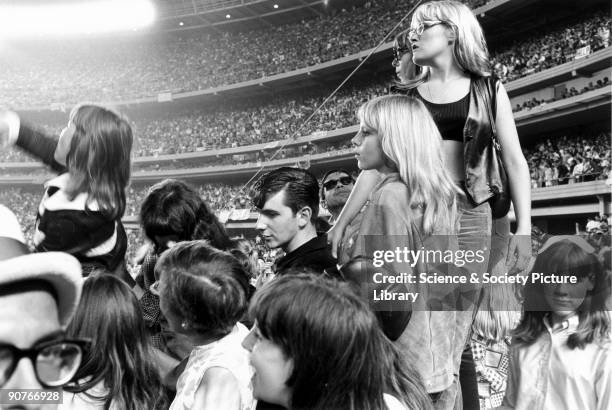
332 183
55 362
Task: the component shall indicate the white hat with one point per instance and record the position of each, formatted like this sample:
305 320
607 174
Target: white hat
61 270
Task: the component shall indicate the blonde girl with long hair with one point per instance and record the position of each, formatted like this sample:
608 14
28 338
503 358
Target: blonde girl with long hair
413 204
415 191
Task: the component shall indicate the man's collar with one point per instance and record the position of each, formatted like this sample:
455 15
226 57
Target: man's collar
304 246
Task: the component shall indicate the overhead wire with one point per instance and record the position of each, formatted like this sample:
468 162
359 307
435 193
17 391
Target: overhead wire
329 97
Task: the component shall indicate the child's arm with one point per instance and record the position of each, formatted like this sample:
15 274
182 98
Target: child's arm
39 145
34 142
366 181
217 391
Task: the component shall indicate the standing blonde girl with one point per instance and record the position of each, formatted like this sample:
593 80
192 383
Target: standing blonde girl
412 205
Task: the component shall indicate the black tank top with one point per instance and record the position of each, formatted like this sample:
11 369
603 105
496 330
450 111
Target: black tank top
450 118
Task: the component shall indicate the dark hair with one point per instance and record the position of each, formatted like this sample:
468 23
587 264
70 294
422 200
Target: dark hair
121 354
402 46
566 257
300 186
342 360
174 208
203 285
99 158
243 251
402 41
328 173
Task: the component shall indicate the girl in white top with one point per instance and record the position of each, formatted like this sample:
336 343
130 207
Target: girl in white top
561 355
203 294
226 353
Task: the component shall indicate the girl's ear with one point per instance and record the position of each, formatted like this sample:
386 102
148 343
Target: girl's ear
451 36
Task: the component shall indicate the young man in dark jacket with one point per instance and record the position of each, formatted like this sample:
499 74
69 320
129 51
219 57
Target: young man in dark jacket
288 203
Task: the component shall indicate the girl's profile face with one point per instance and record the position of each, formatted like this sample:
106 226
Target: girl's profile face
565 299
63 145
429 39
272 369
369 151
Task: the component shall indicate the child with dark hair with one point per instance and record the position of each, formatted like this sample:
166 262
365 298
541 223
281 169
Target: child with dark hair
561 356
80 212
118 371
203 295
172 211
316 345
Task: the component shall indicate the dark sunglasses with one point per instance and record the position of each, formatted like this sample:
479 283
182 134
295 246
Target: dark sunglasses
55 362
332 183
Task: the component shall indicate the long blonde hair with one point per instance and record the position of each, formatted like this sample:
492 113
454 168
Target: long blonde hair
411 140
470 47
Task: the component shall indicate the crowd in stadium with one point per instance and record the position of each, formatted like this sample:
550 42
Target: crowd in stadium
205 60
567 93
559 45
587 156
192 62
566 160
556 160
249 122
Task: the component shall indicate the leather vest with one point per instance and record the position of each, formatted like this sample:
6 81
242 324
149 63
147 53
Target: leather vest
480 183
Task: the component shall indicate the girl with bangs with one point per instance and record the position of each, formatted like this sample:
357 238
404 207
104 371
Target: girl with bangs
119 371
561 355
80 212
317 346
415 200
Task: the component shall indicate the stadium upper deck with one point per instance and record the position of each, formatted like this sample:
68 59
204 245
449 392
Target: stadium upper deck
160 66
564 112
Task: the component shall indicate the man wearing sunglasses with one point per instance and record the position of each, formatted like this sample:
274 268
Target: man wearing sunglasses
336 186
38 296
